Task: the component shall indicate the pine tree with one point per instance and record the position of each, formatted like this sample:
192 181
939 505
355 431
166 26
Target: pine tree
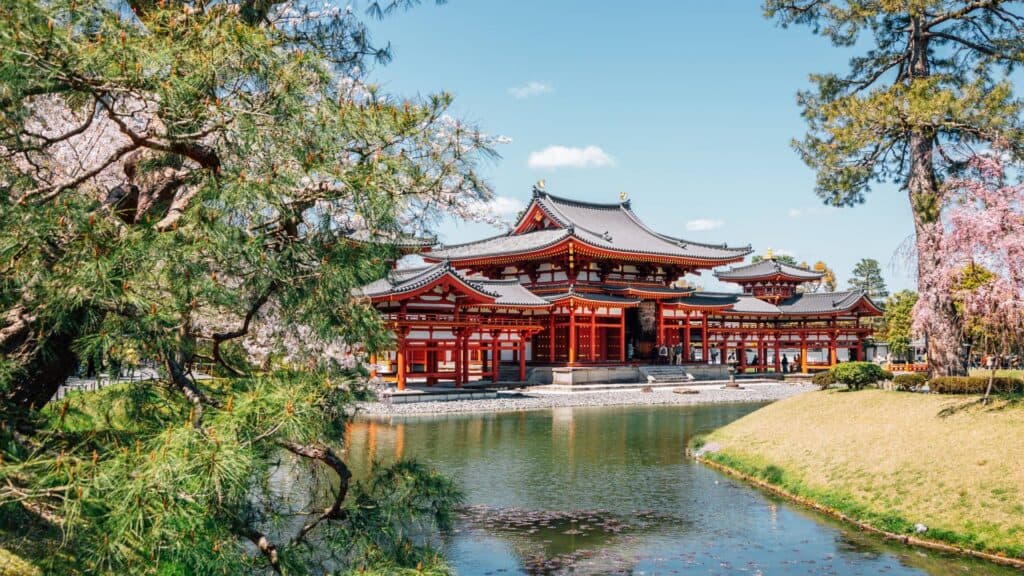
783 258
867 276
179 183
898 318
931 82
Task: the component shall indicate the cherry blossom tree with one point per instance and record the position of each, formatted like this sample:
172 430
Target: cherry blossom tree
984 217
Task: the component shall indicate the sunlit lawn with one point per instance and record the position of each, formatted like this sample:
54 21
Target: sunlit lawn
944 461
1001 373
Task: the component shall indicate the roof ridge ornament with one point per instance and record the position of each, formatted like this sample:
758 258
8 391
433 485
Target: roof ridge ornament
538 188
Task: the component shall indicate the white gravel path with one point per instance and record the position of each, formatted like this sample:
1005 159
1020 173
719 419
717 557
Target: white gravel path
535 399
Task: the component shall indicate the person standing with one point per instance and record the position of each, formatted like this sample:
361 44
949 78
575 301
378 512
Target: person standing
785 364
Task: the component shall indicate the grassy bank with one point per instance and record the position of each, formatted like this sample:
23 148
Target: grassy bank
893 460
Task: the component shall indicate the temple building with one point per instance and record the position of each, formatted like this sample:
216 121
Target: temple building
584 284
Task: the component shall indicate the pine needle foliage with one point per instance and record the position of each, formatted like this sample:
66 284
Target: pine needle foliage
184 183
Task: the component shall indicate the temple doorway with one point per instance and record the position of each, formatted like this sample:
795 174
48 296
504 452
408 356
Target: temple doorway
641 324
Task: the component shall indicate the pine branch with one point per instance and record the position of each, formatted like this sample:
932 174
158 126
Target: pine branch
324 454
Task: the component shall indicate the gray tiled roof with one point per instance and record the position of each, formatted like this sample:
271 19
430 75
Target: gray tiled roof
608 226
667 290
707 299
815 303
798 304
497 245
608 298
509 292
505 292
768 268
616 226
408 279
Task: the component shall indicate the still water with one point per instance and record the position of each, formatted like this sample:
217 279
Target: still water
610 491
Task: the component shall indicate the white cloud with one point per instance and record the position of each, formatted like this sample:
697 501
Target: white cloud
811 211
504 206
569 157
703 224
529 89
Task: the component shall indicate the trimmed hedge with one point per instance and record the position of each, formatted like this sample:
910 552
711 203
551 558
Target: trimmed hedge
857 375
824 379
909 382
975 385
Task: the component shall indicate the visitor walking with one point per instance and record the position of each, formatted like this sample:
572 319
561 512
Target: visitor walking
785 364
663 354
678 354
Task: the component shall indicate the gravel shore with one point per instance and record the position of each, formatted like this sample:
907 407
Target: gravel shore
538 399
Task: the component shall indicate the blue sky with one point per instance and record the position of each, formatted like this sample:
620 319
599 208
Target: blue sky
688 106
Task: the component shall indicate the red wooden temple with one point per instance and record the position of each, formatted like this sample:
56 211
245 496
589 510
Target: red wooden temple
577 283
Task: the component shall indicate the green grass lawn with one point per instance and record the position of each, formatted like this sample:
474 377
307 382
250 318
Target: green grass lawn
1002 373
893 459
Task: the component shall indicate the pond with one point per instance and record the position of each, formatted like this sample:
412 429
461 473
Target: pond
610 491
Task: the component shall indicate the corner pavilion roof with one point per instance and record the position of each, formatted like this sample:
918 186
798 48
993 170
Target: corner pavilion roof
410 280
606 227
768 269
804 303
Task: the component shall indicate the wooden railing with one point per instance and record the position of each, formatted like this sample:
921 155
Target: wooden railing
907 367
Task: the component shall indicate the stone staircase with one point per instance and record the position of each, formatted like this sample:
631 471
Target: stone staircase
665 374
509 374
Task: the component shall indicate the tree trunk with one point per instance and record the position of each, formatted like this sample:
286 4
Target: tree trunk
40 367
943 329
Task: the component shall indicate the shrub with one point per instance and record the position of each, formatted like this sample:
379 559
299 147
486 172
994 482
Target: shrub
857 375
824 379
975 385
909 382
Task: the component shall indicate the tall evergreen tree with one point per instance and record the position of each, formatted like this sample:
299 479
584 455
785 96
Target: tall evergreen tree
867 276
933 81
899 309
185 182
783 258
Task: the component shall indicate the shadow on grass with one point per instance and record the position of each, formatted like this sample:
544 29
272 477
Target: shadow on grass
996 403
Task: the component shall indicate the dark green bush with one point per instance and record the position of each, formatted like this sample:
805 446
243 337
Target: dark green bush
857 375
910 382
975 385
824 379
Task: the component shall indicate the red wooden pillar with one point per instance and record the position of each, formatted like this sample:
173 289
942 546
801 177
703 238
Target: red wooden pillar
778 351
457 357
495 355
832 357
593 334
551 337
686 337
705 345
400 359
522 356
622 335
466 356
659 311
803 353
572 332
741 353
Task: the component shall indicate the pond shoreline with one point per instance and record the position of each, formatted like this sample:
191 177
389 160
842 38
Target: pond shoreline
863 526
535 399
871 459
